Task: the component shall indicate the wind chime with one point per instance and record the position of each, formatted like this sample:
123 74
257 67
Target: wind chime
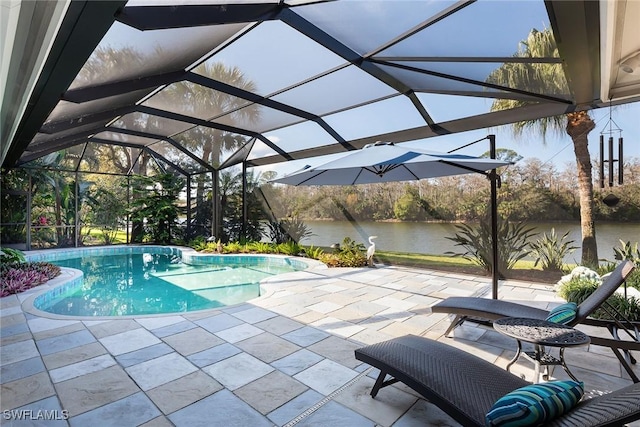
612 130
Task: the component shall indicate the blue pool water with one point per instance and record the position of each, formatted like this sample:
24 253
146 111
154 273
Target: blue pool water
153 283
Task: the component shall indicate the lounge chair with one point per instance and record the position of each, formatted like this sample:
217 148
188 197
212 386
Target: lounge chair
466 387
488 310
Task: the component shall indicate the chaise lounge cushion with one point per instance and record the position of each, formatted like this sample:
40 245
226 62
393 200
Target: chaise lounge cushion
564 313
535 404
486 308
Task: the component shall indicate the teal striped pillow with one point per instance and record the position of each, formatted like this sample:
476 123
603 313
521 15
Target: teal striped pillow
535 404
563 314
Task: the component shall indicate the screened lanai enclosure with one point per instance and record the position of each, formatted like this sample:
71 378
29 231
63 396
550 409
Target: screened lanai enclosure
111 106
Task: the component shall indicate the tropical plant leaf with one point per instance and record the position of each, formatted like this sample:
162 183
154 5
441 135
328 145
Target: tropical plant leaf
513 242
550 251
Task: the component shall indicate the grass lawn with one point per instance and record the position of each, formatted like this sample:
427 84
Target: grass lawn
388 257
97 236
524 269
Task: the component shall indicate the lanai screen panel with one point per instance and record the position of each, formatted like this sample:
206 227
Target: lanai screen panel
64 160
458 106
260 149
484 75
127 53
425 77
119 137
270 58
365 26
338 90
258 118
158 166
107 158
66 110
374 118
209 144
153 124
300 136
45 143
195 100
177 157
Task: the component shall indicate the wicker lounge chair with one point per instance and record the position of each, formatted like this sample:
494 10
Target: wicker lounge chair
486 310
493 309
466 387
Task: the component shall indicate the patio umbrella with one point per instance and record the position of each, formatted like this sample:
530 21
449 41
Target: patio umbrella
387 162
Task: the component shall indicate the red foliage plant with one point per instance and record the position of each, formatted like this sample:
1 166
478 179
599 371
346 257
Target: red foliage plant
19 277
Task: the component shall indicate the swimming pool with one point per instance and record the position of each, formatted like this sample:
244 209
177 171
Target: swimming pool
156 280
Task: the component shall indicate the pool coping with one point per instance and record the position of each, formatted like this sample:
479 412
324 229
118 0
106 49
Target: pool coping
69 275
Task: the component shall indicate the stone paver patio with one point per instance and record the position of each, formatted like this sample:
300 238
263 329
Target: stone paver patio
284 359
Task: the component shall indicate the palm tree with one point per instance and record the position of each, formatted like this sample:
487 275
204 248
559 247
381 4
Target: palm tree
210 143
550 80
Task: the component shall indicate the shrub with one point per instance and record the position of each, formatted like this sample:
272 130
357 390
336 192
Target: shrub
233 247
627 307
198 243
261 247
289 248
343 260
512 244
633 280
288 229
581 283
209 247
606 267
577 289
350 246
349 254
581 273
313 252
154 209
19 277
9 256
549 251
627 251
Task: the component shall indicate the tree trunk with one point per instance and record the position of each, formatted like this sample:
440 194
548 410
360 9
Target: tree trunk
579 124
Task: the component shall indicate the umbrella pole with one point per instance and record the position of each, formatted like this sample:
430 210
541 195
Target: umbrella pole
494 219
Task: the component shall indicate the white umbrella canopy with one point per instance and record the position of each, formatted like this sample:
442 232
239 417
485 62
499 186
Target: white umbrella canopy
386 162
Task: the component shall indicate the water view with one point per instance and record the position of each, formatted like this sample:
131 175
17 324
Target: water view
431 238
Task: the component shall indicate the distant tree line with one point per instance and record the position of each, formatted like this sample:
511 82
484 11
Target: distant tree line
531 191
